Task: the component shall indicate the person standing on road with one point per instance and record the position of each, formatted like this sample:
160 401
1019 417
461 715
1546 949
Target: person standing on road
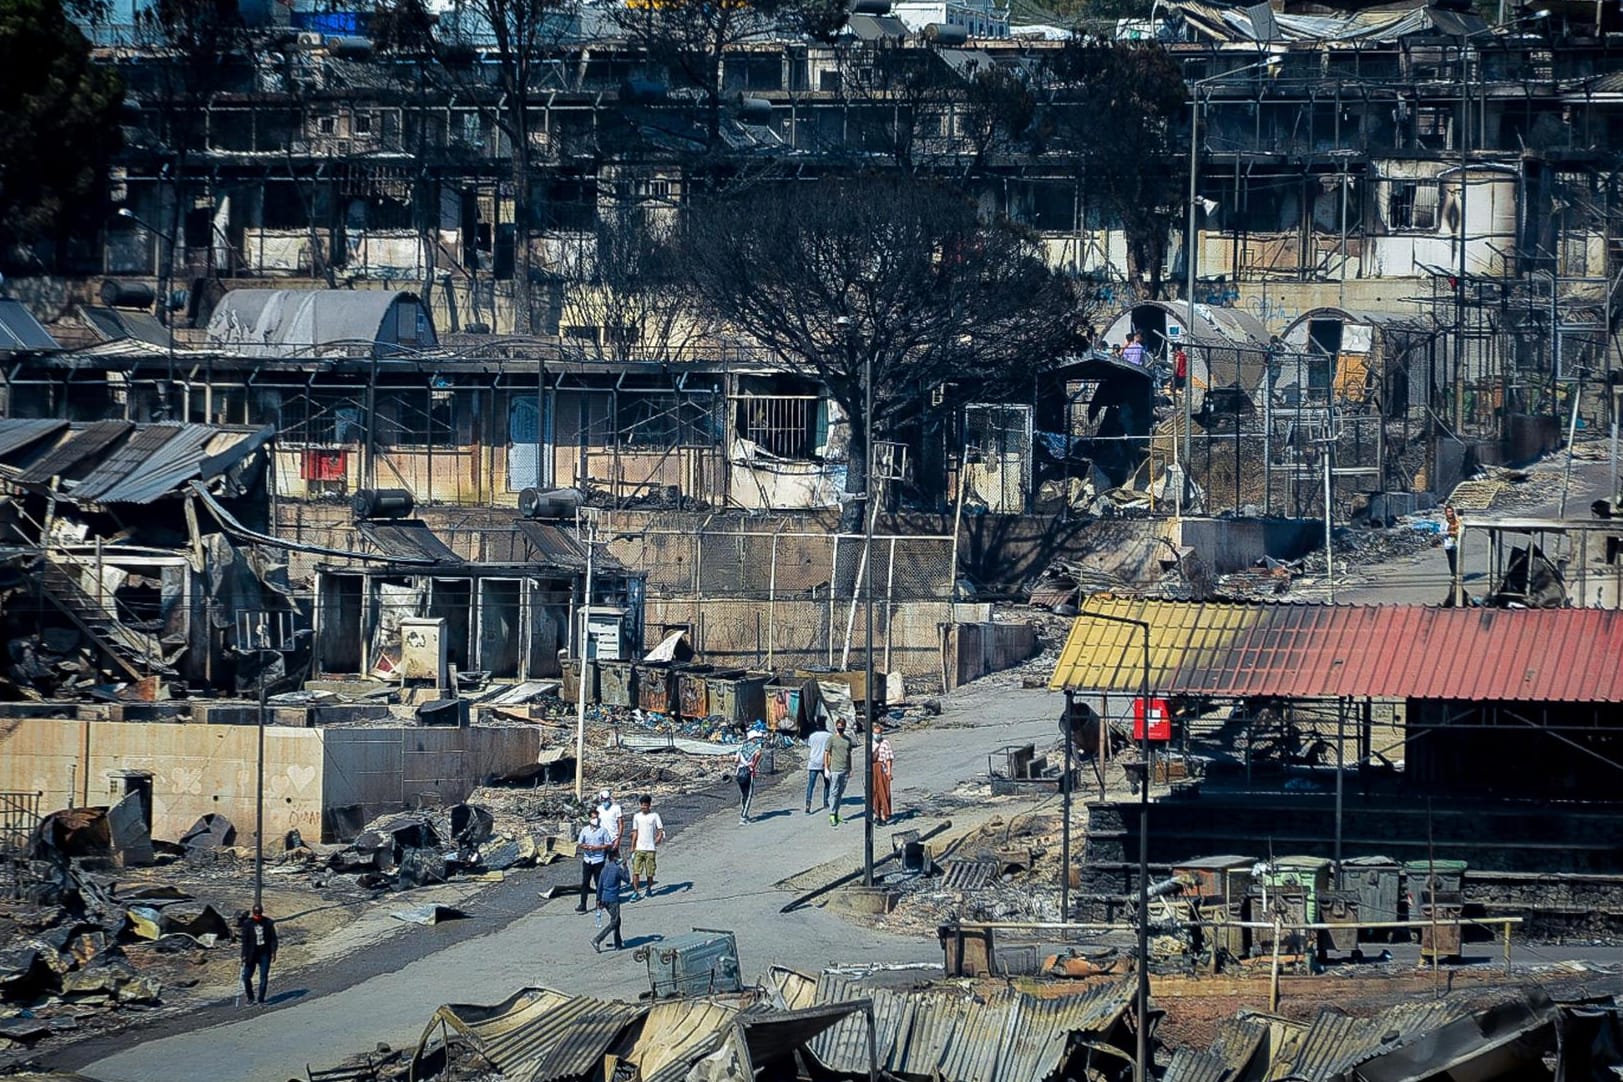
647 835
816 766
258 934
611 814
840 748
594 843
744 766
1451 541
609 892
884 768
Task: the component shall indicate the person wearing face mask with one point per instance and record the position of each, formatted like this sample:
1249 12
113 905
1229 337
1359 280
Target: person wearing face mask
609 812
594 844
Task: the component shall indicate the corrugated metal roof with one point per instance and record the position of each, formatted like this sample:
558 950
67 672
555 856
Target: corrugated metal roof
1321 651
190 452
538 1033
584 1029
17 433
145 445
1335 1043
958 1036
674 1033
19 330
77 445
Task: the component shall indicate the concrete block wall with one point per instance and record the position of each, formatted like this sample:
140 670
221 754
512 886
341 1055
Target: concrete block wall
197 769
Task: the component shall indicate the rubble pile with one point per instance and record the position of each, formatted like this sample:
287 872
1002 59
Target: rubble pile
74 949
422 848
1005 870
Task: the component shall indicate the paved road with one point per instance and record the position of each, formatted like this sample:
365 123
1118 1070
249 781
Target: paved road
1424 579
721 874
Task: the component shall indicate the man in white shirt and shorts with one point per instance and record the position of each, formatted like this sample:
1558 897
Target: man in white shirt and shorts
647 834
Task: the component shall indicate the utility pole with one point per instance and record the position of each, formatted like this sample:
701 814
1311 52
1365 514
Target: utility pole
867 588
589 536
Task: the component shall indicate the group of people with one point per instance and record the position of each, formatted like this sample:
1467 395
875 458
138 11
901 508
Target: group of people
602 875
604 878
1134 352
829 756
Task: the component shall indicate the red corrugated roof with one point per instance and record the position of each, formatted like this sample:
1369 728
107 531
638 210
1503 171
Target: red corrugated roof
1322 651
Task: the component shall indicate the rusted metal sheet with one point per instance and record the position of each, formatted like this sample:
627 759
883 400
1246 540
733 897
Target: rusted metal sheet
1321 651
957 1035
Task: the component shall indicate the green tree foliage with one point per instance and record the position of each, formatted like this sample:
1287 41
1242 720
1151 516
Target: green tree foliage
58 127
1116 108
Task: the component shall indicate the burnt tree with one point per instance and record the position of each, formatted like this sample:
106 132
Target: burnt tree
904 273
1115 107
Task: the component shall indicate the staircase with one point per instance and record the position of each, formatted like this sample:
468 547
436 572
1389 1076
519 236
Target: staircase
138 654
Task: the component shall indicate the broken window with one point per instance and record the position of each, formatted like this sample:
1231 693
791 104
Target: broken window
785 427
664 419
1412 204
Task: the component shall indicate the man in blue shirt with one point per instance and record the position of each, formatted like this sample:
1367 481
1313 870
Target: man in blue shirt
610 886
594 843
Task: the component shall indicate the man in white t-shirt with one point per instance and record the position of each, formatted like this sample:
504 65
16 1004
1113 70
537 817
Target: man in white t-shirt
816 767
647 834
611 815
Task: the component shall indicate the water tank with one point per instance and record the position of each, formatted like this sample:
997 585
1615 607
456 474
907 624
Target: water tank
549 502
116 294
353 48
870 7
382 503
755 110
949 36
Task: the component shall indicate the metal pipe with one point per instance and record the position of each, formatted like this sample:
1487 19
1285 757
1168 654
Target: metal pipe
259 781
1189 294
1065 832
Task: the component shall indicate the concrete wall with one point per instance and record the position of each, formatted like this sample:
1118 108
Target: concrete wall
971 651
1233 544
197 769
797 633
383 769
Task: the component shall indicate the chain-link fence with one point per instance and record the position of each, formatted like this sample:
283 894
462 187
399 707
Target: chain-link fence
787 599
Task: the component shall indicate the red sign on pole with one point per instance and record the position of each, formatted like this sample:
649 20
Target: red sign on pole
1160 720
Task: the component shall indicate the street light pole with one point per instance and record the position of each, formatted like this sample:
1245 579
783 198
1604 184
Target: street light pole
1141 1072
867 589
585 652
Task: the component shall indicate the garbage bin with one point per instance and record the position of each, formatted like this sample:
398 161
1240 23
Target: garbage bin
1379 883
1428 877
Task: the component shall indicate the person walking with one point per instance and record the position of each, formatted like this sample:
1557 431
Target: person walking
840 748
816 766
745 764
647 835
609 892
611 815
594 843
258 935
884 768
